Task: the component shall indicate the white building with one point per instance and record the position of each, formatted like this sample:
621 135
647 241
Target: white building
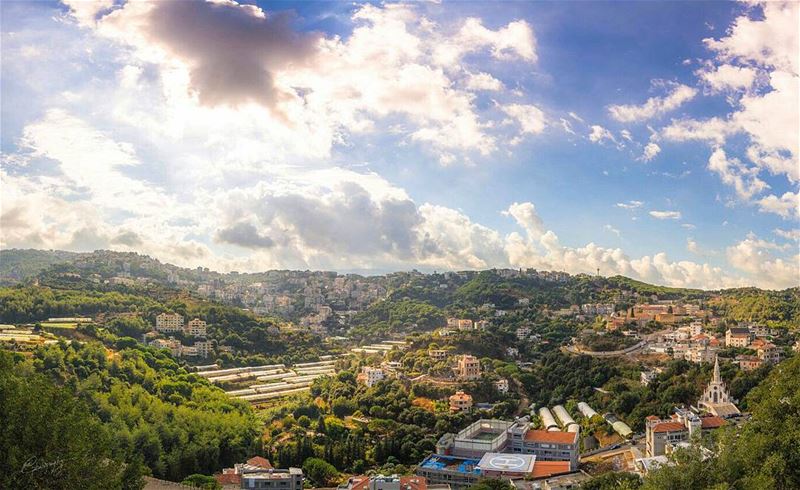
169 322
196 328
523 332
370 375
501 385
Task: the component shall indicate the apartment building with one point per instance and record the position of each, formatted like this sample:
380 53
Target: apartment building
169 322
196 328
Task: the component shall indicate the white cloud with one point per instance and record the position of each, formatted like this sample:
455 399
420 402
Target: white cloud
728 77
772 41
787 206
788 234
599 134
530 118
714 130
613 230
650 152
576 117
483 81
654 106
665 214
754 257
629 204
526 216
515 40
321 89
692 246
734 173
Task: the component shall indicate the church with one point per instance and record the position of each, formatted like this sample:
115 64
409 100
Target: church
716 399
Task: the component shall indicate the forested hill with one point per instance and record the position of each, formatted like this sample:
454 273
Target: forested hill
402 301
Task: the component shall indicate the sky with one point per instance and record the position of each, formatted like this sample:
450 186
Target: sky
658 140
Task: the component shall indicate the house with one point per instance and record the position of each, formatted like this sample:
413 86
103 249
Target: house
749 363
469 368
501 385
460 401
523 333
647 377
737 337
766 351
173 345
438 354
370 375
246 475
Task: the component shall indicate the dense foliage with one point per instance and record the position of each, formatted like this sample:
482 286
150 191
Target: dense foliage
170 421
50 439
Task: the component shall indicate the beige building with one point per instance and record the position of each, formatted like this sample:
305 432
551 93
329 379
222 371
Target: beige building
469 368
370 375
460 401
169 322
196 328
737 337
438 354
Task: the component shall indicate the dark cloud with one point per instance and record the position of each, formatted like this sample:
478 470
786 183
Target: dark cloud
86 240
232 50
128 238
352 223
244 235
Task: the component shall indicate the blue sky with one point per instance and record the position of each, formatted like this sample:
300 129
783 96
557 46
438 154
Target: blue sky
652 139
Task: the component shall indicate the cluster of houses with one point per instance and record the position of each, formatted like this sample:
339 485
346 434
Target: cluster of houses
692 343
170 323
666 313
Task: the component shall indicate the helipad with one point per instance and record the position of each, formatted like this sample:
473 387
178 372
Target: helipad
507 463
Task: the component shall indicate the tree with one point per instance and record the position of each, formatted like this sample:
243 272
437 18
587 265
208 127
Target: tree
492 484
202 481
50 439
613 481
320 472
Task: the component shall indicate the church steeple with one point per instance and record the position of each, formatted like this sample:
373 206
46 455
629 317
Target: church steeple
717 379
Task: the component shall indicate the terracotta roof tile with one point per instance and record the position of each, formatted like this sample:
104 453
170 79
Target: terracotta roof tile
712 422
260 462
546 469
669 427
551 437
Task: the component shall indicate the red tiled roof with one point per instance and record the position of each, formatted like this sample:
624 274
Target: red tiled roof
711 422
414 482
551 437
228 479
651 417
669 427
546 469
260 462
